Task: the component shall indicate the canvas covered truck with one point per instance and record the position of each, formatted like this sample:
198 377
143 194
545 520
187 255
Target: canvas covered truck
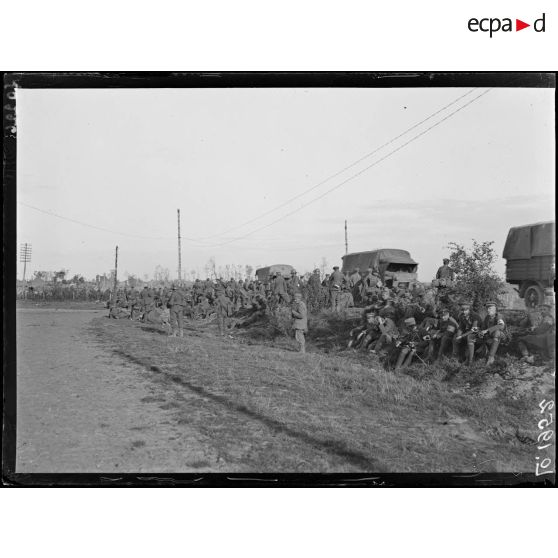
396 267
530 261
264 274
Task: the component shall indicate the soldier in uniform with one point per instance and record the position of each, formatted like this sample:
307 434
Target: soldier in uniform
336 280
445 271
176 306
388 332
293 285
468 326
491 332
443 338
355 280
280 289
409 342
300 321
132 302
223 308
541 336
145 300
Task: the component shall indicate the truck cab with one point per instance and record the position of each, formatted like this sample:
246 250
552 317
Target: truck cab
530 261
395 266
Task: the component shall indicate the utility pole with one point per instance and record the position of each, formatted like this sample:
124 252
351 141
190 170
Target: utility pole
179 248
25 256
115 276
346 239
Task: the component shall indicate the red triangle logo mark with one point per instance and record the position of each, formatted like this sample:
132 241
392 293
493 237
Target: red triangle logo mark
519 25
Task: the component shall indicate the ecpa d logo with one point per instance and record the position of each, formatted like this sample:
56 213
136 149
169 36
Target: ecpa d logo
493 25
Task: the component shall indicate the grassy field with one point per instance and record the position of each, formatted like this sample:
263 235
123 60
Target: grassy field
267 408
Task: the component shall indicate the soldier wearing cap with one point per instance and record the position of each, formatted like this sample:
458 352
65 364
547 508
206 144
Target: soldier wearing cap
299 314
223 308
541 336
357 333
371 282
355 280
293 285
468 326
388 332
445 272
146 300
408 341
443 338
176 305
491 332
132 302
336 280
279 289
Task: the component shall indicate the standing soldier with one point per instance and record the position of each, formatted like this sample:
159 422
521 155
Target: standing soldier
176 306
144 300
132 302
468 323
294 283
280 289
336 280
354 283
223 308
445 272
300 320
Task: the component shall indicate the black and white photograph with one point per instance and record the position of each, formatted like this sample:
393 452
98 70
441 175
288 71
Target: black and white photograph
338 275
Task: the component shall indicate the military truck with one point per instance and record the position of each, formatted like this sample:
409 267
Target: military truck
530 261
396 267
264 274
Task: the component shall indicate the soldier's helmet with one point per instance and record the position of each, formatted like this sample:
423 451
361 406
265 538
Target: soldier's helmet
489 304
335 267
446 260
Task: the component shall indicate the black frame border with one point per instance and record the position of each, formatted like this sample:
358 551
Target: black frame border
103 79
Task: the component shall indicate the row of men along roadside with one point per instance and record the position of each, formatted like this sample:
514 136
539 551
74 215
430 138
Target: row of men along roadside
421 323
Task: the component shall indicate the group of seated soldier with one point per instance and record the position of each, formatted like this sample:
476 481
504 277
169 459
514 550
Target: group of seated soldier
402 334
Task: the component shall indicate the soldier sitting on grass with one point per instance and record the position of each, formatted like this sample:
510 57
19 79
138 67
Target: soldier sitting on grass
540 336
491 333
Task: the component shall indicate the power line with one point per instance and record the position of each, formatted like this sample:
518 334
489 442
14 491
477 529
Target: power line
336 174
354 175
101 228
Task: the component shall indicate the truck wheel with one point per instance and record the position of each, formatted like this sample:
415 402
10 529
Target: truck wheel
534 296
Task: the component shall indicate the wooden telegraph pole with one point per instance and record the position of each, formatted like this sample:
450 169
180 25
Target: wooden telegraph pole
115 276
346 239
25 257
179 249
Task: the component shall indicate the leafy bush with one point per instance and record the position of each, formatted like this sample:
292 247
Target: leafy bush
476 279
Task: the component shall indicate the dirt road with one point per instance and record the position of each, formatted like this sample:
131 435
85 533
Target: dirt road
81 409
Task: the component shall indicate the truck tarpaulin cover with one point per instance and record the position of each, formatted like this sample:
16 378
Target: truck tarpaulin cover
364 260
264 273
529 241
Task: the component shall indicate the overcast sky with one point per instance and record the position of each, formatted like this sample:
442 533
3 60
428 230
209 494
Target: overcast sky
125 160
